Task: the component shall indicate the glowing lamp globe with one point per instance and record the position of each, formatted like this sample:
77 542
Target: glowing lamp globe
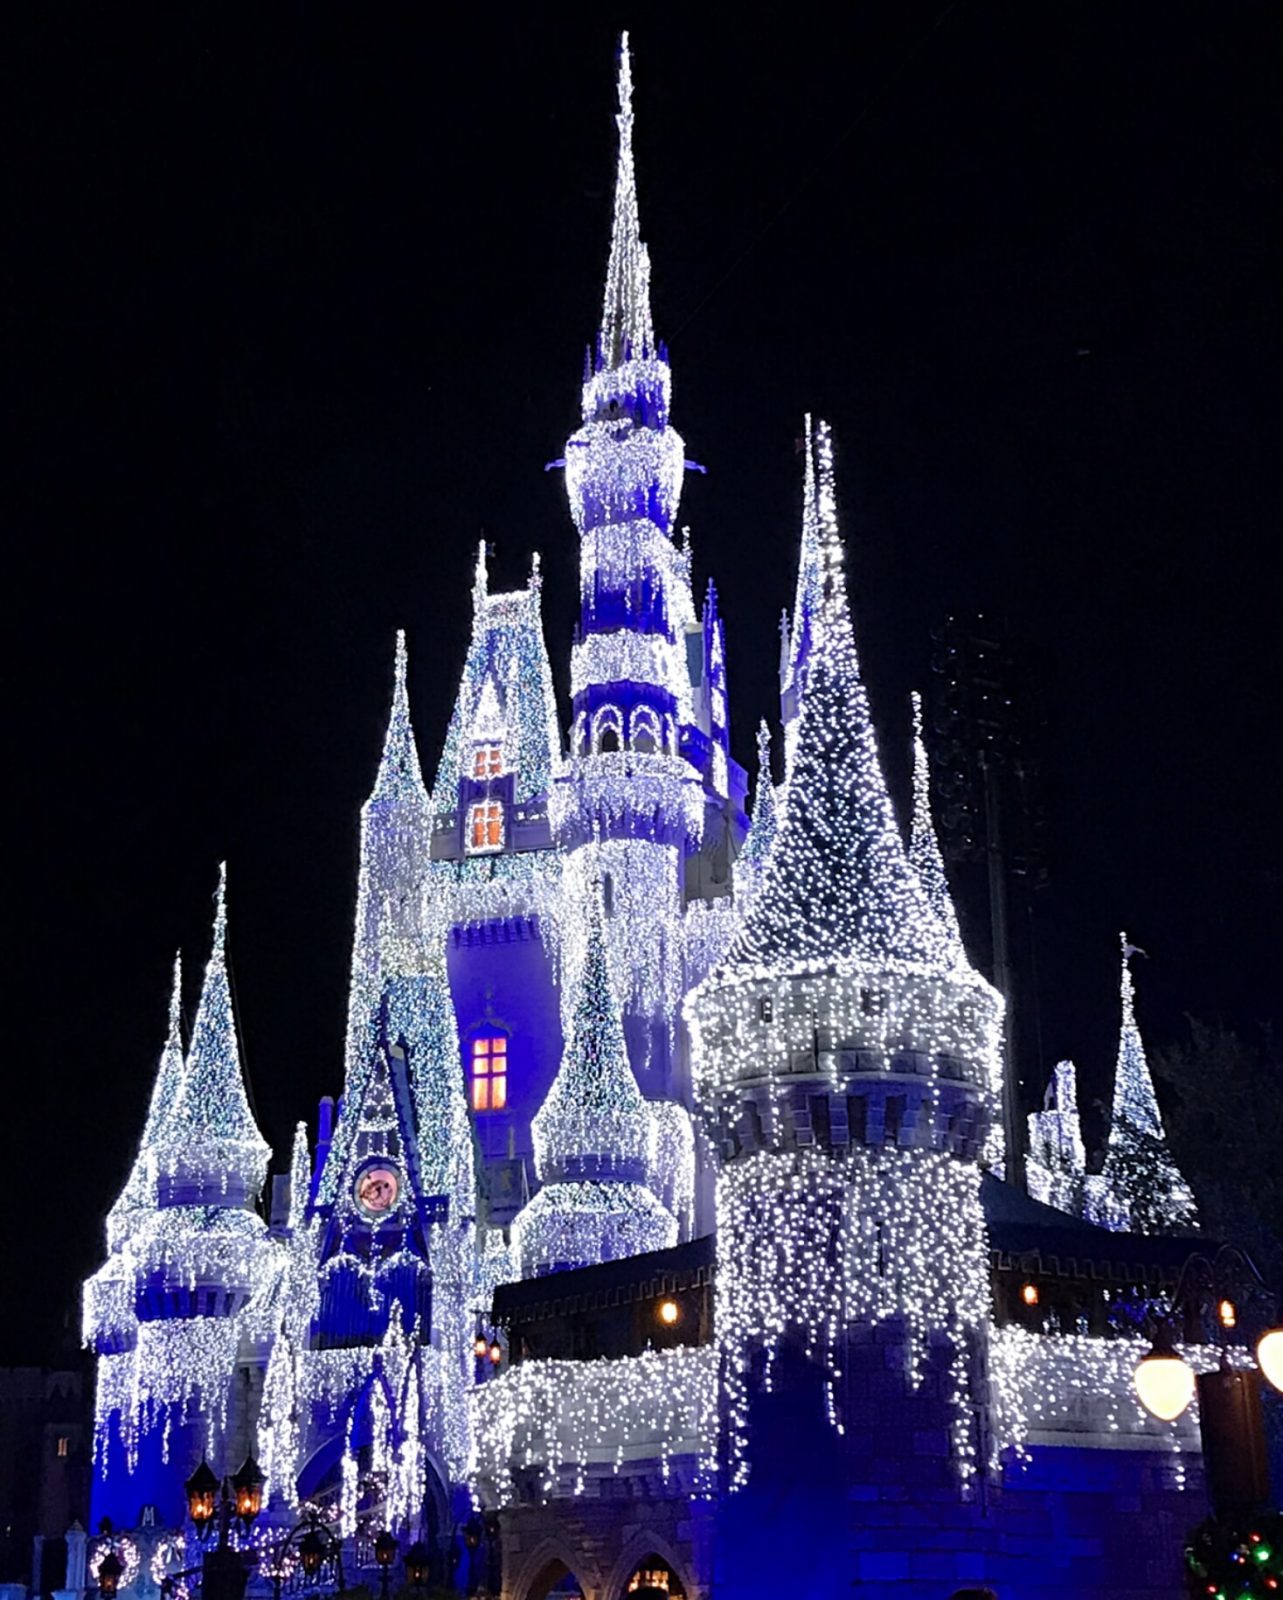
385 1549
1163 1382
1269 1352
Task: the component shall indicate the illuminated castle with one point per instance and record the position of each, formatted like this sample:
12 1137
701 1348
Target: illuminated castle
599 1018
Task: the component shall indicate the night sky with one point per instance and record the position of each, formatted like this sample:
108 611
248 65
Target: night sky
297 300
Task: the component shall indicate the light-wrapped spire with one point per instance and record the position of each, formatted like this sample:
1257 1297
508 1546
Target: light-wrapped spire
1141 1188
798 639
594 1118
400 777
212 1137
924 846
764 823
838 882
626 328
139 1192
300 1178
594 1140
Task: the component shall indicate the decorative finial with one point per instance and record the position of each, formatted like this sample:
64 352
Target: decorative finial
626 329
481 576
536 571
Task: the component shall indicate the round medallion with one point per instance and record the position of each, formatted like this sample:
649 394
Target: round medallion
376 1190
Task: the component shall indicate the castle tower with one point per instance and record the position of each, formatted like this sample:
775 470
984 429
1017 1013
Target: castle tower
1141 1188
594 1140
641 768
1057 1161
194 1254
847 1061
924 846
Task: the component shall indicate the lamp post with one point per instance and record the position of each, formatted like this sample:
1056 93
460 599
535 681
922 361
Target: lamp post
223 1572
1229 1399
316 1544
385 1553
109 1571
418 1564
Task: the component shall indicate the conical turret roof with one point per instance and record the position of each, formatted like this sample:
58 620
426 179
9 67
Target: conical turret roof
400 778
626 327
139 1192
924 846
838 883
211 1126
595 1117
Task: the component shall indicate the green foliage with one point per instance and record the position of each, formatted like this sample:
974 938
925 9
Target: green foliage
1225 1126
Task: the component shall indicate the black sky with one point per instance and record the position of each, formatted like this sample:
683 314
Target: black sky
297 298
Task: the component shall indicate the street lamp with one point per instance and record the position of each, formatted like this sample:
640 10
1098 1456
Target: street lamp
1229 1409
385 1553
418 1562
109 1572
223 1571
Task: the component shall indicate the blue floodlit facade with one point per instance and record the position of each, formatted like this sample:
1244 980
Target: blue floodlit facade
598 1017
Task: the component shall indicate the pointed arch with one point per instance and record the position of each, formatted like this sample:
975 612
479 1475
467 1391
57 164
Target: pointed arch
644 1543
546 1565
645 734
607 730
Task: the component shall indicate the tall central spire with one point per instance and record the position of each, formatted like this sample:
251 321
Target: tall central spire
626 328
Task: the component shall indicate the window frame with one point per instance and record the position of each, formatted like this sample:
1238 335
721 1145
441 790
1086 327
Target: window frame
487 1072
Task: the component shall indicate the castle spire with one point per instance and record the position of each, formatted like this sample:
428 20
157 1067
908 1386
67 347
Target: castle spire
924 846
764 824
139 1192
626 329
838 882
594 1118
212 1132
1141 1186
400 776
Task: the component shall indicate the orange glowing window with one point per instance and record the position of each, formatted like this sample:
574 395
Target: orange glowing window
487 761
485 826
490 1073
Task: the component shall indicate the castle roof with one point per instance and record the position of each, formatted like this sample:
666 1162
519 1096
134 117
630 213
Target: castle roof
626 327
594 1117
924 846
506 681
211 1127
139 1192
837 883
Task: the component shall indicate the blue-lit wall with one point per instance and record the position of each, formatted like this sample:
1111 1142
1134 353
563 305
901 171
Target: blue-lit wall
501 981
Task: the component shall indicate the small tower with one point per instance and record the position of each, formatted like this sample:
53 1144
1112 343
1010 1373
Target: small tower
594 1140
193 1261
763 826
846 1061
1057 1161
1141 1188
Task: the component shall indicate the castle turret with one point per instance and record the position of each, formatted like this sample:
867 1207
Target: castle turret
641 766
193 1260
1057 1161
847 1063
1141 1188
594 1140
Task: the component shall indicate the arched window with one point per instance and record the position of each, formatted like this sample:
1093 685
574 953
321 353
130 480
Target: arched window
608 731
645 730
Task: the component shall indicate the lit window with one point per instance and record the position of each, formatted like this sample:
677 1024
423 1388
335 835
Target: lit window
487 761
490 1073
63 1442
485 826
